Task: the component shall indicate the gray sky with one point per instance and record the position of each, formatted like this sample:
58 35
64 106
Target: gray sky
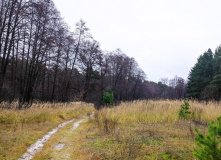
164 36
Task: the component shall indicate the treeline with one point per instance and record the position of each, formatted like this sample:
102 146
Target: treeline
205 77
40 58
174 88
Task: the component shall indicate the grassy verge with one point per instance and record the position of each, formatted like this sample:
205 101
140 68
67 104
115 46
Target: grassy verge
143 130
21 128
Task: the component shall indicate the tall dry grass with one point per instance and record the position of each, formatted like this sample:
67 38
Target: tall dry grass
21 128
161 111
41 112
149 129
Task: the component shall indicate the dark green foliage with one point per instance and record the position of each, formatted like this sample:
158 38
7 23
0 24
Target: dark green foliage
217 61
208 93
216 83
1 119
184 110
205 77
108 97
209 145
200 75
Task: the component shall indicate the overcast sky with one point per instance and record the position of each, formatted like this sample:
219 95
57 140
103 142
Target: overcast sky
164 36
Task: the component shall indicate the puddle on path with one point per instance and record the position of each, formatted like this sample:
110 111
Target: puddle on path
59 146
76 124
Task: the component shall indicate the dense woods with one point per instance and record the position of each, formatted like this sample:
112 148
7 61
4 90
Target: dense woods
41 59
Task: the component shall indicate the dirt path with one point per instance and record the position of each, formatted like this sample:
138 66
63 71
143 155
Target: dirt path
37 147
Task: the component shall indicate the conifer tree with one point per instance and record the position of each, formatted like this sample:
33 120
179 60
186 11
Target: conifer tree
217 61
209 145
216 82
184 110
108 97
200 75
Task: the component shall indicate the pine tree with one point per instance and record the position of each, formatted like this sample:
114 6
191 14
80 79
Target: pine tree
200 75
209 145
217 61
184 110
216 82
108 98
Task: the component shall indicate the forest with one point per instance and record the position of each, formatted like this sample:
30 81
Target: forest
41 59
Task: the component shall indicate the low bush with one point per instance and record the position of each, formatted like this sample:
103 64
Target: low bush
184 111
108 98
209 145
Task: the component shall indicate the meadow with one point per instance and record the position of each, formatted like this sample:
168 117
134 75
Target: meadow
144 130
21 128
147 129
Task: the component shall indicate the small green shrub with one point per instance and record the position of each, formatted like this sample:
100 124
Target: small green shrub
1 119
184 110
108 98
209 145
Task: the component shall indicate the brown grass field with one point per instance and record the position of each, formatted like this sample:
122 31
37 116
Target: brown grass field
143 130
132 130
21 128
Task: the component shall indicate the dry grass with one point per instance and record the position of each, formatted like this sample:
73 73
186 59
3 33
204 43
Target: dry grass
132 130
21 128
164 111
145 130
